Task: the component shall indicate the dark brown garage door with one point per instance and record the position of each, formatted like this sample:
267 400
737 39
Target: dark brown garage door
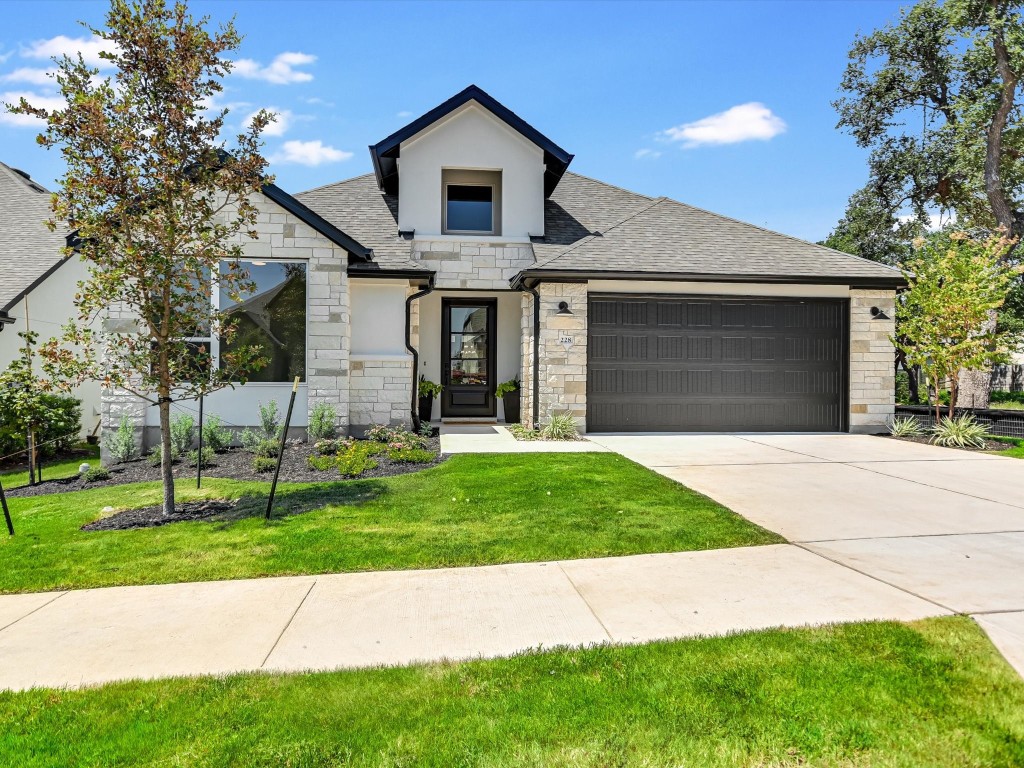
709 364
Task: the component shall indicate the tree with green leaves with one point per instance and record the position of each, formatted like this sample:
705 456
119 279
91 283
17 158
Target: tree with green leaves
158 204
956 281
933 96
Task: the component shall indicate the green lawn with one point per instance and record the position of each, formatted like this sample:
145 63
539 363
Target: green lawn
470 510
933 693
55 471
1017 452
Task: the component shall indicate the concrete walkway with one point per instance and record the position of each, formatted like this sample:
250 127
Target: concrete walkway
495 438
92 636
942 524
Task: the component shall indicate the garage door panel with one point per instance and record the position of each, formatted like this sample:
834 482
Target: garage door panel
720 364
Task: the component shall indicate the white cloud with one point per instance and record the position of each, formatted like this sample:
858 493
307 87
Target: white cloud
281 70
317 101
309 153
647 154
744 122
35 99
404 113
62 45
936 221
280 125
29 75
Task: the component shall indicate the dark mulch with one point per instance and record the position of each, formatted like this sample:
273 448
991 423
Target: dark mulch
151 517
990 445
235 464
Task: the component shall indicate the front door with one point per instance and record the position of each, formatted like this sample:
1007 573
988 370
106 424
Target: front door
467 353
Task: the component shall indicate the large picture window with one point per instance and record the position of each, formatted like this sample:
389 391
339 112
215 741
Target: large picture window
272 319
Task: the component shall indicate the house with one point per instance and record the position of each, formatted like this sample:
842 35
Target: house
472 255
37 282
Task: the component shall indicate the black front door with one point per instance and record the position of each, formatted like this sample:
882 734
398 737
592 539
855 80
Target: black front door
467 353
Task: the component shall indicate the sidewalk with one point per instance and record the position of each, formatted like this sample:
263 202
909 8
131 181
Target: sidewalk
93 636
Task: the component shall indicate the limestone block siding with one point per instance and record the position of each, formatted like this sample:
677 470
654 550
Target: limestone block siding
475 265
563 367
526 374
380 391
872 375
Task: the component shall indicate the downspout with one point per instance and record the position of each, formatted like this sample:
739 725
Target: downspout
5 319
413 410
536 355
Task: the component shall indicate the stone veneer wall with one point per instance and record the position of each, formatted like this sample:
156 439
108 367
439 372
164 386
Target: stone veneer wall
473 265
281 236
526 365
563 372
872 374
380 392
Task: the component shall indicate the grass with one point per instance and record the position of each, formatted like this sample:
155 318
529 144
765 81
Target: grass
1017 452
470 510
57 470
933 693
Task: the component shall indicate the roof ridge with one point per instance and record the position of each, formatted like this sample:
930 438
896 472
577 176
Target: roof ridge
601 232
783 234
335 183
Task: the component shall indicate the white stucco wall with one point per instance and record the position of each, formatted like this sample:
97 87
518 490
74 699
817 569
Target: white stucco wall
471 138
50 306
509 344
378 317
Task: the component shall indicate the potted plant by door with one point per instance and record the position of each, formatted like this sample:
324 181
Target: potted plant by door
509 392
428 390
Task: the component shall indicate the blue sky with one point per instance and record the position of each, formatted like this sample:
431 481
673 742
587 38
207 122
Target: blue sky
723 105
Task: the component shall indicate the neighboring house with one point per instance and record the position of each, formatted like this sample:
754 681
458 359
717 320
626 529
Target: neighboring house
472 256
37 282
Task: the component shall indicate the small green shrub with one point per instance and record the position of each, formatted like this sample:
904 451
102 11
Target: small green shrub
1002 396
323 422
96 475
217 437
562 426
358 458
183 434
267 449
391 435
426 429
121 444
263 464
270 420
330 447
411 455
959 432
156 455
250 440
322 463
902 387
522 432
193 457
428 388
905 426
507 387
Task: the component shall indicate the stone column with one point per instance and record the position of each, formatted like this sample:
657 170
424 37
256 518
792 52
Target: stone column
328 333
872 356
563 351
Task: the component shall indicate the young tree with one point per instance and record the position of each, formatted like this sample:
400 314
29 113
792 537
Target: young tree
157 205
942 320
933 97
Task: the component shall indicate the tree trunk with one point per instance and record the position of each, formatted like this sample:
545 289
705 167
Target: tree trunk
30 438
1005 215
976 386
914 381
166 467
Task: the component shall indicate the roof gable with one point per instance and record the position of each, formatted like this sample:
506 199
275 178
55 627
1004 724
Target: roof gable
385 153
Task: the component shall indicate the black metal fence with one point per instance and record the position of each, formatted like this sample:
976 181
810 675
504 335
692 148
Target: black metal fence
999 422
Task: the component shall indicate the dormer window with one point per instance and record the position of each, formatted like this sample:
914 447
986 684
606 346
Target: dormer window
471 202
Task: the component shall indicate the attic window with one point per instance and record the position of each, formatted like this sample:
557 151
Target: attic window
472 202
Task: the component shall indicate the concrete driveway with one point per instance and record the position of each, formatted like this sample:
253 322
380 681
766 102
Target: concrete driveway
942 524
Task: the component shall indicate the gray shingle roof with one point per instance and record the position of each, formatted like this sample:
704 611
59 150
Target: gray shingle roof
591 226
357 207
28 250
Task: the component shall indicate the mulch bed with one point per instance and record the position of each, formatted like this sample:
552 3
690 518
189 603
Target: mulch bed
235 464
990 445
151 517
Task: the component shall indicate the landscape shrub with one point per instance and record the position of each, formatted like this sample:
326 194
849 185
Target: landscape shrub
358 458
193 457
270 420
329 446
411 455
267 449
183 434
121 444
322 463
1002 396
322 422
58 434
562 426
96 475
263 464
905 426
960 432
217 437
156 455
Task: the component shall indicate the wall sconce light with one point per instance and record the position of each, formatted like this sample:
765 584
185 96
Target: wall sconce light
878 314
563 308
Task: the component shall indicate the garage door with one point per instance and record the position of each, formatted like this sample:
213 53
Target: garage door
702 364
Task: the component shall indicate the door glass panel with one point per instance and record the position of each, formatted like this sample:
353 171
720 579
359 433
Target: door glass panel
468 319
469 372
468 345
